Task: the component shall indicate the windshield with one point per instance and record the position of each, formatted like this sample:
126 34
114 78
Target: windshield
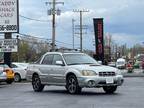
120 63
74 59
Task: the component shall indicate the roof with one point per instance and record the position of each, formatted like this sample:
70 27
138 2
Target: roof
120 59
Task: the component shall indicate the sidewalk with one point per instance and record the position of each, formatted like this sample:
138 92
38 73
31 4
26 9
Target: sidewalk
135 73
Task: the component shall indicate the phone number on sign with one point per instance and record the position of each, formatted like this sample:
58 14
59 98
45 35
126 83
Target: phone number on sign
8 27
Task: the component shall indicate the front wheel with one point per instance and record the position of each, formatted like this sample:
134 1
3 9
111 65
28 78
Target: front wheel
36 83
109 89
17 78
72 85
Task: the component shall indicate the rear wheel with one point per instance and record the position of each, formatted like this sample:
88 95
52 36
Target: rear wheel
36 83
72 85
17 78
109 89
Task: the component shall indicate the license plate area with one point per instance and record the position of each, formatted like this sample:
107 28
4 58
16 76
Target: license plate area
109 80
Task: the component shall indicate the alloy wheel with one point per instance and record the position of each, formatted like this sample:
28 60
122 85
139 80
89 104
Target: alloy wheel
72 85
36 83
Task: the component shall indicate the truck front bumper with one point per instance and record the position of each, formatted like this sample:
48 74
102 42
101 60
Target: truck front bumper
97 81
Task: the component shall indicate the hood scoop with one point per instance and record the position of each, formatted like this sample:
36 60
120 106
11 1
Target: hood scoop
95 65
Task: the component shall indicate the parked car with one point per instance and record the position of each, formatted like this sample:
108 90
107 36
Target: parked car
142 64
3 76
6 73
19 70
136 65
139 58
74 71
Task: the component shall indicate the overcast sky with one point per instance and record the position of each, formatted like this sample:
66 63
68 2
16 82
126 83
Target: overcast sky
123 19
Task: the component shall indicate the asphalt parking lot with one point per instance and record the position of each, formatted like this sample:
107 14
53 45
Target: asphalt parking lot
21 95
135 73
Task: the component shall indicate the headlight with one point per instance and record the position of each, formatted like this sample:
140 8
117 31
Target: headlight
118 72
88 73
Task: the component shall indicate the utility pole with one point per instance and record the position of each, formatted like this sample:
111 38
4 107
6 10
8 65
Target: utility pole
53 11
81 26
73 31
53 26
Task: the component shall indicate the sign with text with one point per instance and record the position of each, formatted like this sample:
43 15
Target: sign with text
8 45
9 16
98 28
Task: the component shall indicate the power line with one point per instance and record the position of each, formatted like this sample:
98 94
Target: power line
63 43
26 36
34 19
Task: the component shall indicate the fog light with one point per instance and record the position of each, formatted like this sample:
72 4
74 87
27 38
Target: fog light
91 83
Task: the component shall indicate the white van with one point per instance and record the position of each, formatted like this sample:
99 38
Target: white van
121 63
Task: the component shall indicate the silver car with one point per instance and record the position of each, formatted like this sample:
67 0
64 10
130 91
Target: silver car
19 70
74 71
3 76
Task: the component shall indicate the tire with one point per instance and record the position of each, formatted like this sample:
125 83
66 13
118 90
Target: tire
36 83
17 78
72 85
110 89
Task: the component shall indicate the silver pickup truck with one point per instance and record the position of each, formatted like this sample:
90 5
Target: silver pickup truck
74 71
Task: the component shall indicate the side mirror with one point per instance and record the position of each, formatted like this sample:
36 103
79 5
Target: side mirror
59 63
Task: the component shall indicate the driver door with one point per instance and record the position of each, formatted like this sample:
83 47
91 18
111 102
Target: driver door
58 70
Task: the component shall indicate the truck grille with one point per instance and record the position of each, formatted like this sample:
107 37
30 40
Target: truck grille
105 74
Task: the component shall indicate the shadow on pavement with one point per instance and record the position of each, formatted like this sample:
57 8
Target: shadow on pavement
83 93
3 84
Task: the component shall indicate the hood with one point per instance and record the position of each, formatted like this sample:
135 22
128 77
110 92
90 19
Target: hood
96 68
